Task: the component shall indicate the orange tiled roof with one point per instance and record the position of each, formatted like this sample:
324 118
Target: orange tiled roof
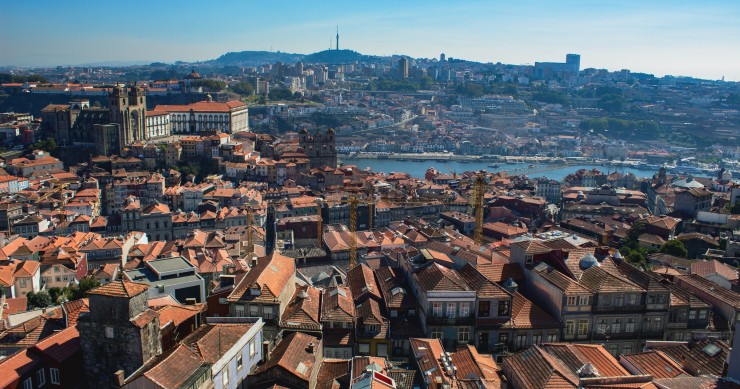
120 288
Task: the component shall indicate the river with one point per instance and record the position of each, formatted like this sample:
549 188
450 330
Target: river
418 169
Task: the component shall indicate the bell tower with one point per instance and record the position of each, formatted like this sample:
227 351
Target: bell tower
128 110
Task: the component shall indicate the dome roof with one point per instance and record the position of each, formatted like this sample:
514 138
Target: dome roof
588 261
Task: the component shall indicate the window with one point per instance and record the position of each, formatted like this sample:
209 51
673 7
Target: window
692 314
657 324
239 362
451 310
382 350
254 310
582 327
109 332
572 300
23 284
28 383
627 349
528 258
536 338
570 327
252 349
463 335
503 339
702 314
239 310
54 374
629 326
503 308
613 350
436 333
41 377
436 309
464 309
583 300
619 300
601 326
226 378
552 337
631 299
484 308
364 348
521 340
616 326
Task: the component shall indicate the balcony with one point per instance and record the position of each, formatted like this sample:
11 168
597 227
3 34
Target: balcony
618 309
451 321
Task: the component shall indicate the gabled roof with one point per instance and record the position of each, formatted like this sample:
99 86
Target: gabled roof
655 363
525 314
474 366
333 374
120 288
575 356
712 267
536 368
266 280
362 283
212 341
337 304
435 277
395 290
292 354
484 287
174 369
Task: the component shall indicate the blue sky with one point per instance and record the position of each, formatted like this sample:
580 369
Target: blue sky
695 38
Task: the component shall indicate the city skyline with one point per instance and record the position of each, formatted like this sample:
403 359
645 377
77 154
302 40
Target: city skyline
676 38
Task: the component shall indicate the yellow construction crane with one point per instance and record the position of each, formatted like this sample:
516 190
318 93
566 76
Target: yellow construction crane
62 200
479 190
353 201
250 233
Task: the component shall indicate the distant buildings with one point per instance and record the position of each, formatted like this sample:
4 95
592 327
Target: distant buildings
572 65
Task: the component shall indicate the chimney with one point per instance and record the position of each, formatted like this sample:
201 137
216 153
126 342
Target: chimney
309 348
120 378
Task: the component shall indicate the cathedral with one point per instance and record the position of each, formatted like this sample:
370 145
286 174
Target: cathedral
77 122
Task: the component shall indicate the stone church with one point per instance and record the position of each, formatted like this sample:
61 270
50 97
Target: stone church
319 147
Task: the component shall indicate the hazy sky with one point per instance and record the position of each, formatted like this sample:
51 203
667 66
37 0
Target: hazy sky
694 38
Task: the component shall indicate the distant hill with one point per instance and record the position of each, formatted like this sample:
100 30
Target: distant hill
256 58
334 57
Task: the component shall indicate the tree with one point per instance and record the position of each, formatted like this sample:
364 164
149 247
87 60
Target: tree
80 291
48 145
635 256
40 299
55 294
280 94
243 88
675 247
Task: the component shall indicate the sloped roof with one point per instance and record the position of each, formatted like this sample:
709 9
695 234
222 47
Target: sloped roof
292 355
270 276
121 288
435 277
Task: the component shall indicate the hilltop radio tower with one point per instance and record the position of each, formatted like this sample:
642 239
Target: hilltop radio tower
337 37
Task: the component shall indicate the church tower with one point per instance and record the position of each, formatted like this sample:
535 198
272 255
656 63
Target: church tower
128 110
